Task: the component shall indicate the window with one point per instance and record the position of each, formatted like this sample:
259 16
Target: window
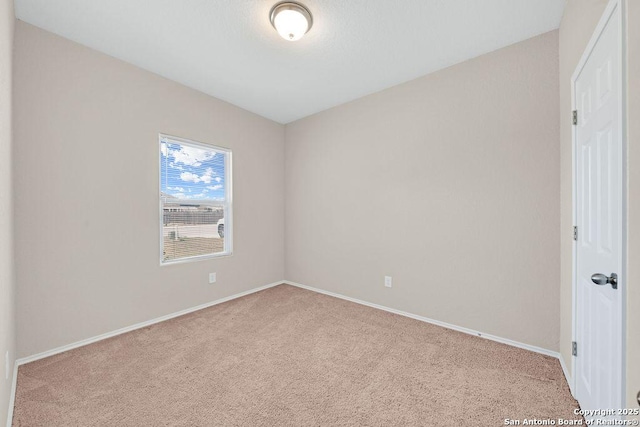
195 200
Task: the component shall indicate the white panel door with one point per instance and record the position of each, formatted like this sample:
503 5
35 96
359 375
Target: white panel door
599 215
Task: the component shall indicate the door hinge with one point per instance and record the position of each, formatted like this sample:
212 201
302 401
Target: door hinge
575 233
575 117
574 348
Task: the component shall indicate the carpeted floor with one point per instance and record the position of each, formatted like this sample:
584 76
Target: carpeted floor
291 357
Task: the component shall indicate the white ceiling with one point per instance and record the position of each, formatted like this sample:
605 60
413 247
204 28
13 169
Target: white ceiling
228 49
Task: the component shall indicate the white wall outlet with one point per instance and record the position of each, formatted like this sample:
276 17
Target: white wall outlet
6 365
387 281
212 277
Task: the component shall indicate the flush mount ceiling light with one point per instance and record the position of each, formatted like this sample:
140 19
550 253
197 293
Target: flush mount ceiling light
291 20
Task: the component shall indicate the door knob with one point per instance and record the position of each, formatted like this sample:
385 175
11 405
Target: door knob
601 279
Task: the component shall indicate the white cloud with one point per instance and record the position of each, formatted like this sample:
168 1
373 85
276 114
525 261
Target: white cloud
218 179
207 177
174 166
163 148
189 177
192 156
215 187
180 189
179 195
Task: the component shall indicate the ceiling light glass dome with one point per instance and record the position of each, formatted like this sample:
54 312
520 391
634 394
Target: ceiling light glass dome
291 20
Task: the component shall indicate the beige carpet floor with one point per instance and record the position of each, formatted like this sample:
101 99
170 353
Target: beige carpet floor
291 357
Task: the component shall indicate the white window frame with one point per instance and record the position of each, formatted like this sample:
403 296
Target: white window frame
227 204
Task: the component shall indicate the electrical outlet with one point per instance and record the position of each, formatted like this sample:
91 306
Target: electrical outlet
212 277
6 365
387 281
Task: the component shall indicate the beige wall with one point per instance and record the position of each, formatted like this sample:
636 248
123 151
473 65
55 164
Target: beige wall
7 338
450 184
86 193
633 292
578 23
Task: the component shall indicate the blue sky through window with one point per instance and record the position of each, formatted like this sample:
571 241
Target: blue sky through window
190 172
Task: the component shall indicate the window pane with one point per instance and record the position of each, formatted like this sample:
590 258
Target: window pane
191 230
193 199
192 172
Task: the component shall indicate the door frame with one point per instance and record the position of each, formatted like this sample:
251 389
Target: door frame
612 6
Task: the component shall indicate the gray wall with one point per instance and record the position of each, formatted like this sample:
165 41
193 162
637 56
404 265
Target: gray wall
7 338
449 183
86 193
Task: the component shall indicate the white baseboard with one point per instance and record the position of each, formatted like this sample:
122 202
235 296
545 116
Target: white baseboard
12 395
126 329
507 341
567 376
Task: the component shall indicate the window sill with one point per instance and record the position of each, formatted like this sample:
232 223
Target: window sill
195 258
